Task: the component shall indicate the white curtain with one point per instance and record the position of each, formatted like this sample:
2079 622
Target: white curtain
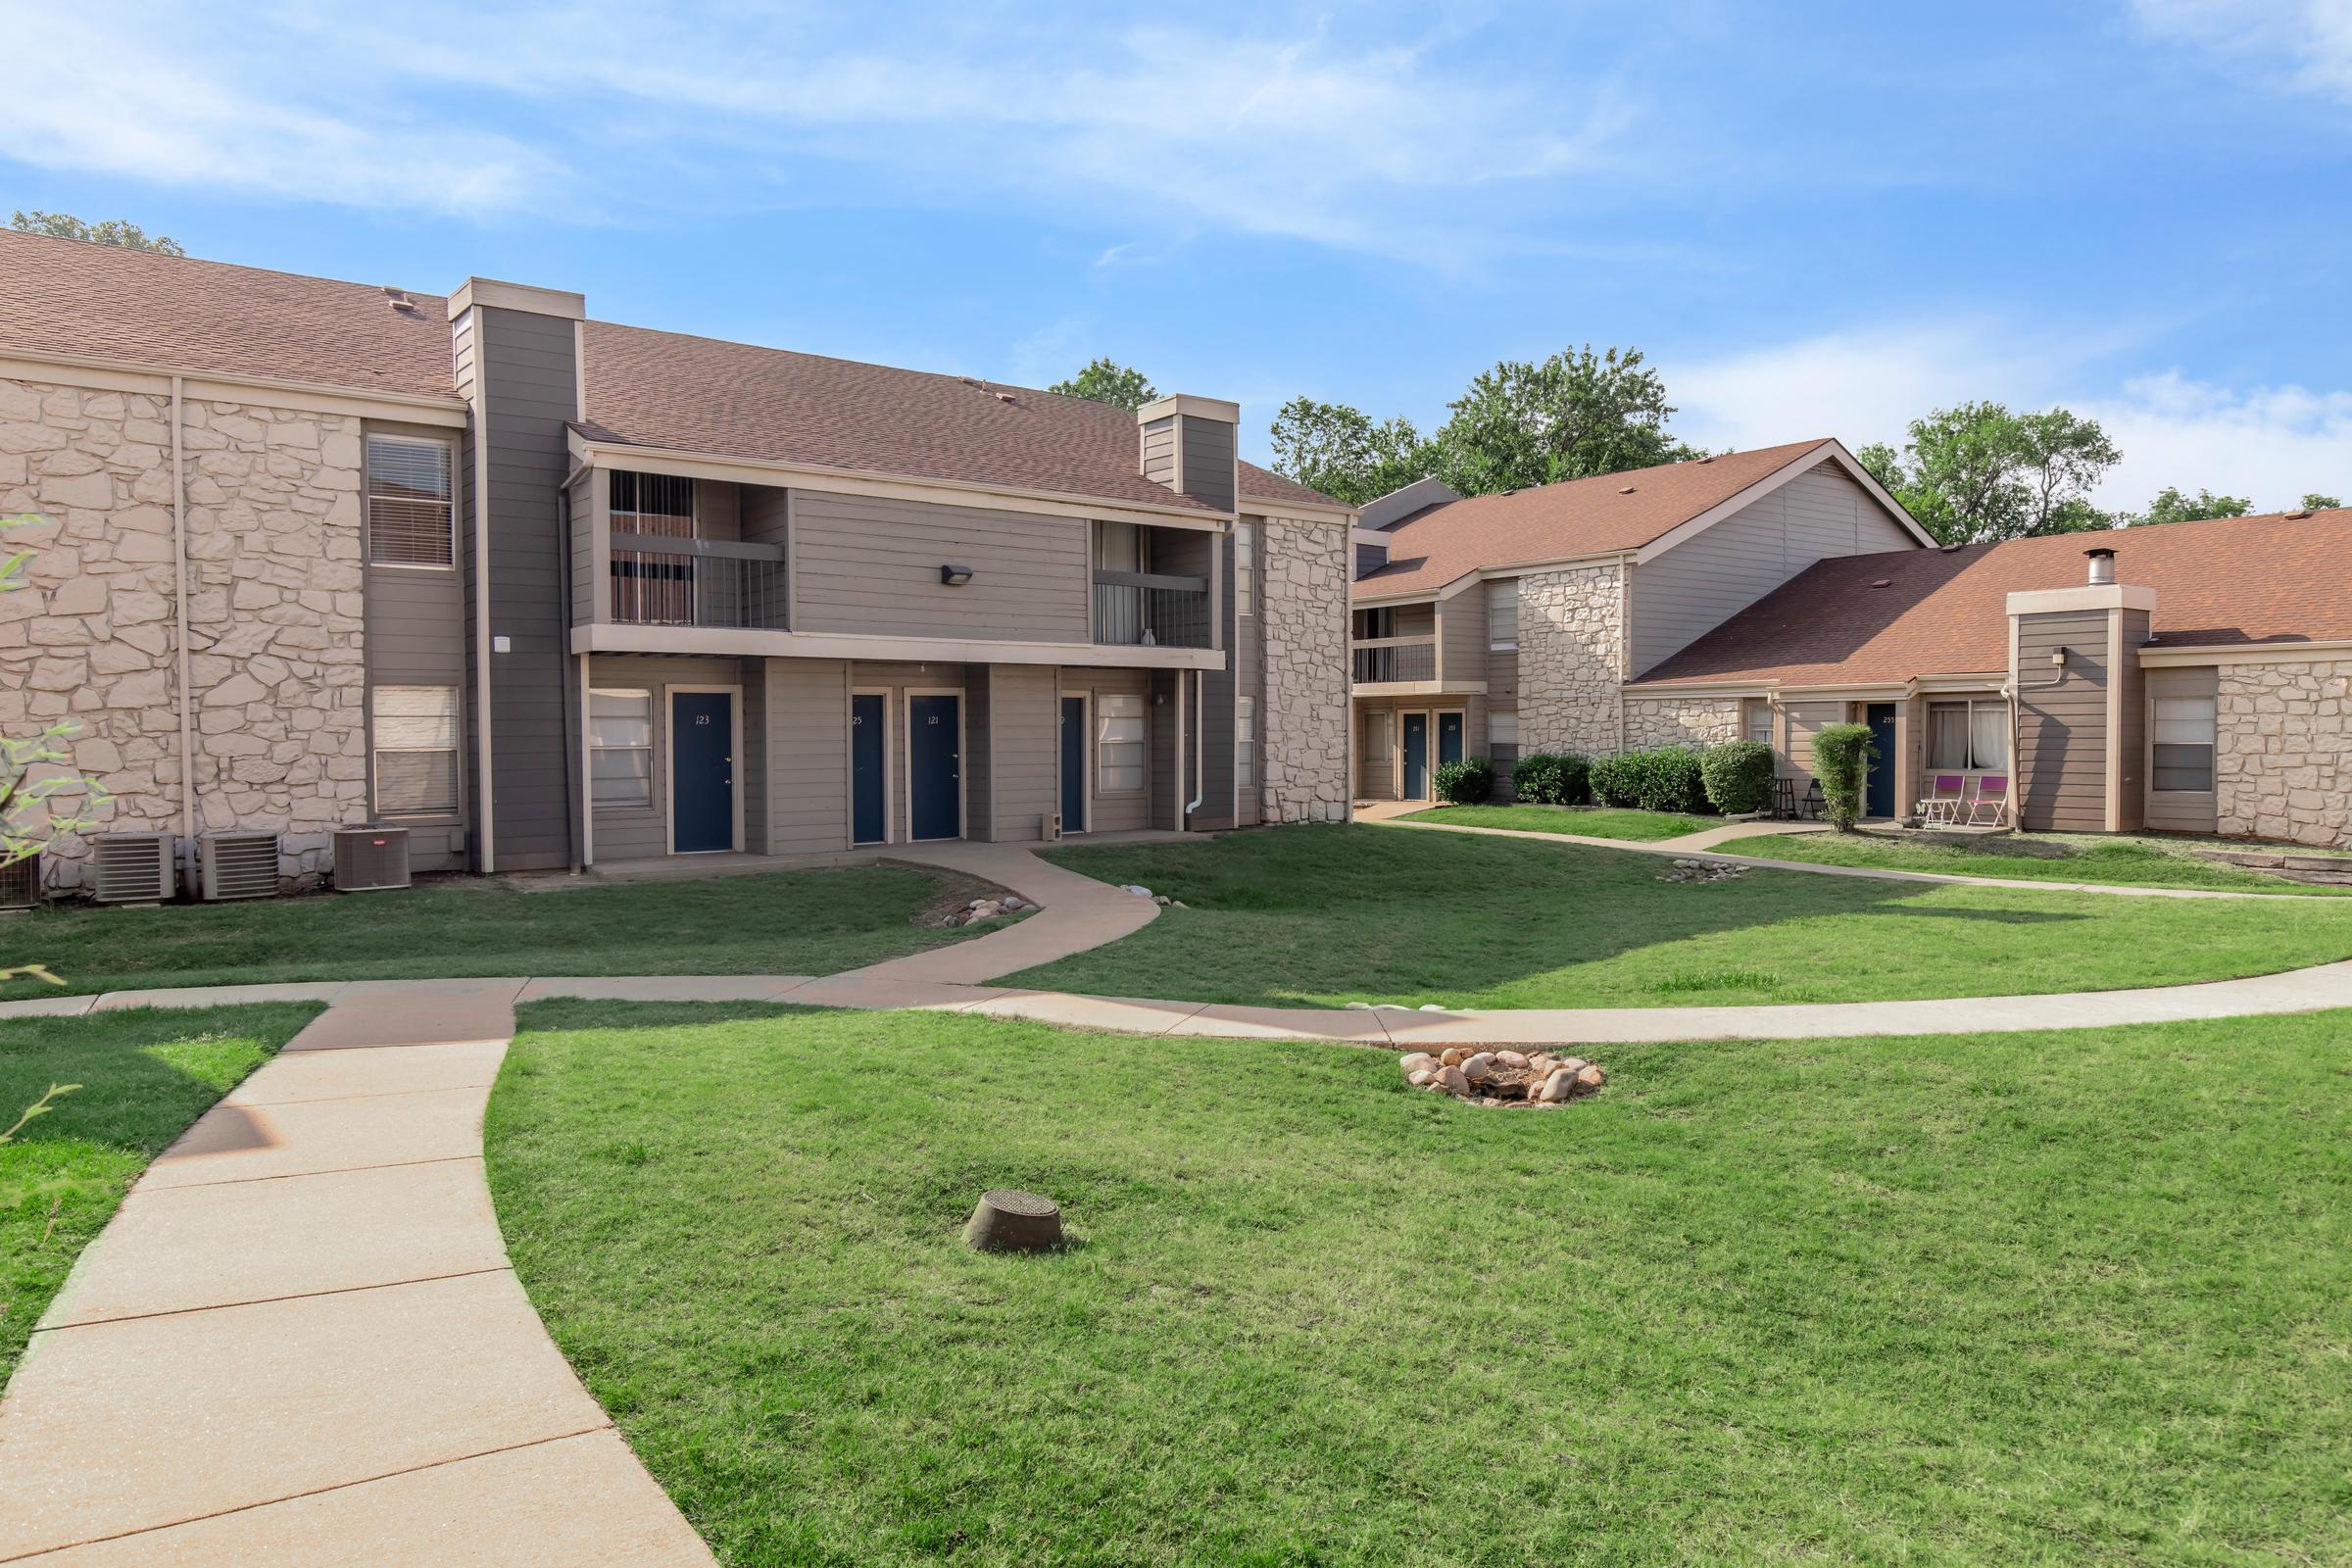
1988 734
1948 735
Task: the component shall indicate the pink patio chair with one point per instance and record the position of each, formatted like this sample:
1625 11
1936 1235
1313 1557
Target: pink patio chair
1992 797
1942 806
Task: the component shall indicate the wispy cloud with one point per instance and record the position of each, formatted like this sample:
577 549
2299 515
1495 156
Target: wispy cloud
2272 443
2311 38
1361 142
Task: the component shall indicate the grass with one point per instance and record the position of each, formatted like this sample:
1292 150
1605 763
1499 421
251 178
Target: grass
1600 824
145 1074
2024 1300
2125 860
1326 916
788 923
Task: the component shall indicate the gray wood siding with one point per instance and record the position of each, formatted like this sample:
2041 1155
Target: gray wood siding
642 832
1461 623
1503 679
1025 722
872 565
1159 451
529 386
2181 810
1208 473
1160 768
807 728
1111 813
2061 761
1376 750
585 514
2130 694
751 744
979 756
1800 722
1703 581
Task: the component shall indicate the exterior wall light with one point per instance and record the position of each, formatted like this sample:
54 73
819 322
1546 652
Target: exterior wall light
954 577
2059 659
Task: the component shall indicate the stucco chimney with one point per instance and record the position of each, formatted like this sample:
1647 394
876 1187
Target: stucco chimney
2102 565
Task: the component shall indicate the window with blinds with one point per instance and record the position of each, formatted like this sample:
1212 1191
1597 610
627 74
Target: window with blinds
1502 615
410 520
1755 720
1119 744
649 589
1502 727
620 748
416 750
2181 732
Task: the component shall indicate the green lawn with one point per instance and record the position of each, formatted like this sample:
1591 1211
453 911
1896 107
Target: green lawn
145 1074
2018 1300
1600 824
1325 916
789 923
2132 860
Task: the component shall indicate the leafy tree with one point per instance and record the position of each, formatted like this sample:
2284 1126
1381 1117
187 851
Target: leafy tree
1979 473
1339 451
1579 412
2172 506
2313 501
1106 381
113 232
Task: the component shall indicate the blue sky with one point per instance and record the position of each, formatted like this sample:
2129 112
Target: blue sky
1817 219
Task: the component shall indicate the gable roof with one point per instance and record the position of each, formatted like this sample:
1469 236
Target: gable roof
1589 516
1883 619
75 298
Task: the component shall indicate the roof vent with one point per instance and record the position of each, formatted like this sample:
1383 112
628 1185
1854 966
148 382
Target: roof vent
1006 396
1882 582
2102 565
1709 457
969 381
1624 490
2297 516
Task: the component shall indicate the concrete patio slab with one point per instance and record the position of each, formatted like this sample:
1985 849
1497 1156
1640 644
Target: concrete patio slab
133 1425
248 1143
175 1249
665 988
584 1501
413 1013
359 1071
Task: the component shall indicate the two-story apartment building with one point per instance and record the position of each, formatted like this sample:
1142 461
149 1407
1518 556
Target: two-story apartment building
552 591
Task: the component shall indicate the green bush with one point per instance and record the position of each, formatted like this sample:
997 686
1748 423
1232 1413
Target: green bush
1550 778
1738 776
1466 782
1840 754
1665 779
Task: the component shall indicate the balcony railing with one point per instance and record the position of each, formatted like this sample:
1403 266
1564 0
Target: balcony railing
697 582
1386 658
1151 610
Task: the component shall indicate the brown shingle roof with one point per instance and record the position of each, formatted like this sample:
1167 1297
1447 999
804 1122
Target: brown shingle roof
737 400
63 296
2273 579
1574 517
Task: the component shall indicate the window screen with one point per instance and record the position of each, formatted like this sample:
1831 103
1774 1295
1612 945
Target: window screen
2183 733
416 750
1755 720
620 747
408 513
1502 613
1502 728
1119 744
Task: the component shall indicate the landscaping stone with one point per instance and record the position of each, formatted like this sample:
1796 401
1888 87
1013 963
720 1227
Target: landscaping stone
1701 871
1491 1078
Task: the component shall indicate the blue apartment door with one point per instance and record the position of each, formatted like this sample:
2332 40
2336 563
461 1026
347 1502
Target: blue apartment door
1877 790
1449 738
935 766
869 744
702 771
1073 764
1416 756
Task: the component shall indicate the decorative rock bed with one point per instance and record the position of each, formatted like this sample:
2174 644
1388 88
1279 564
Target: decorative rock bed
1501 1076
995 909
1701 871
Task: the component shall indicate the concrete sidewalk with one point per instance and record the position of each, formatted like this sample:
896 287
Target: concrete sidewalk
300 1341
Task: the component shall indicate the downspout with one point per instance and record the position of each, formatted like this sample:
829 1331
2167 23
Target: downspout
179 609
1199 752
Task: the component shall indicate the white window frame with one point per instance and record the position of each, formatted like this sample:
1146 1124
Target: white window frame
1101 717
1245 743
1752 710
368 497
655 700
1244 570
1968 705
1495 595
2211 705
456 748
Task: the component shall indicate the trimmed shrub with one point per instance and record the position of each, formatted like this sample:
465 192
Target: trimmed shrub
1550 778
1840 753
1466 782
1738 776
1666 780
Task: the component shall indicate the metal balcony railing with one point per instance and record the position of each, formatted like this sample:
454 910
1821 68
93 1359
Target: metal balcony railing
697 582
1388 658
1151 610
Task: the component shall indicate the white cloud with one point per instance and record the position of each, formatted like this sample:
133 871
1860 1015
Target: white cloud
2272 443
2312 37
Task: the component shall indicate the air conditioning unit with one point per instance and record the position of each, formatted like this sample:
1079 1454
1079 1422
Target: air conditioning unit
237 865
134 867
370 858
21 883
1050 826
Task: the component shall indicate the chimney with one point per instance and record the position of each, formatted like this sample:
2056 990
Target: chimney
2102 565
1187 444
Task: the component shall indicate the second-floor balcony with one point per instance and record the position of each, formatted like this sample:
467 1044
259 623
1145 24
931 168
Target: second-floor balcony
658 581
1381 659
1151 610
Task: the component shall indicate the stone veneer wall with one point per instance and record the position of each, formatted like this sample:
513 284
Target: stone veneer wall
275 609
2283 765
1570 630
1303 614
1681 721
